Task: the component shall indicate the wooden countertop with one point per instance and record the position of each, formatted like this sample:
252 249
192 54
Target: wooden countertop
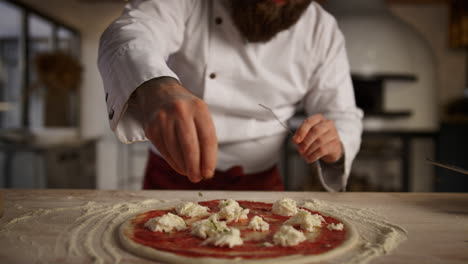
437 223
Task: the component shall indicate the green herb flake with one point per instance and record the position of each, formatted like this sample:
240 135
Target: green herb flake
214 225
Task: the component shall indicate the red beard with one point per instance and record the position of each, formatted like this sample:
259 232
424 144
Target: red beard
261 20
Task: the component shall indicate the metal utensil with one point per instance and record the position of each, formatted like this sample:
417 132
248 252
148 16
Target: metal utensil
447 166
277 118
315 164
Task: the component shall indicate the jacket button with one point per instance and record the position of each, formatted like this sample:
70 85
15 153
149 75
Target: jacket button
218 21
213 75
111 114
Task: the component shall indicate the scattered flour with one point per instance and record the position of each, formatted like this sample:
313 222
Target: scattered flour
377 236
87 233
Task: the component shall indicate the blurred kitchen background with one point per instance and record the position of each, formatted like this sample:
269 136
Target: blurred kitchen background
409 66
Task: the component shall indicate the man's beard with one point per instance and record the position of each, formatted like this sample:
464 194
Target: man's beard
261 20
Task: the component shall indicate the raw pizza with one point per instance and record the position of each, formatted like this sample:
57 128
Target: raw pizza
228 231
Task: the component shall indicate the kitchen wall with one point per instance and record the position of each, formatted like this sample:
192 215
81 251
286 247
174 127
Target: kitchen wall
432 21
92 18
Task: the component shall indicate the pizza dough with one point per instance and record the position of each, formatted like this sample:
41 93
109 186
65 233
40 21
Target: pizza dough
131 238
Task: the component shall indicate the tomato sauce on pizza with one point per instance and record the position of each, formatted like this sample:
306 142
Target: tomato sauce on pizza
256 244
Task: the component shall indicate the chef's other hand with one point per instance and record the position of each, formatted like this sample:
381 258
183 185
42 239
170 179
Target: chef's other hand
317 138
180 126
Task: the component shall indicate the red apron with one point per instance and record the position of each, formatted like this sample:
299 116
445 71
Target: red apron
160 175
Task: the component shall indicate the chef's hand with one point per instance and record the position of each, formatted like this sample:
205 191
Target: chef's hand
317 138
180 126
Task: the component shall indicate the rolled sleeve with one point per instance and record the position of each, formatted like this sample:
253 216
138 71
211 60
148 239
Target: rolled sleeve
331 94
127 72
133 50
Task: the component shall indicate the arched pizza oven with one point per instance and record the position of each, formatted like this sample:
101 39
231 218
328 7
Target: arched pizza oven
392 66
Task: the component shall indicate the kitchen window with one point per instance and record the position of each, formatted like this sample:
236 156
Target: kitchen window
25 33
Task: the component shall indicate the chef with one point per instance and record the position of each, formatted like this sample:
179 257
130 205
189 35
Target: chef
189 75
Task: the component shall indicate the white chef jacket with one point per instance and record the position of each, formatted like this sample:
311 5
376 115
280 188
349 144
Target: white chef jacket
196 42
